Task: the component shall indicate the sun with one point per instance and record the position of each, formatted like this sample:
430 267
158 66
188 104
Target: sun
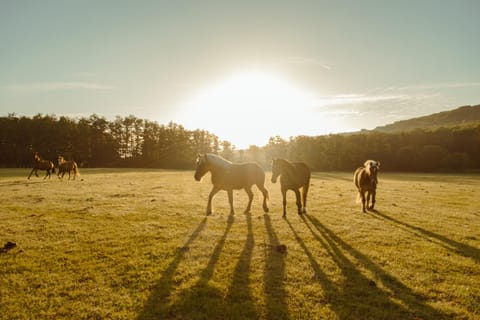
247 108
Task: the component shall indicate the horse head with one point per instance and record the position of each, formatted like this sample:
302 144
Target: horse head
372 168
61 160
202 166
276 169
36 157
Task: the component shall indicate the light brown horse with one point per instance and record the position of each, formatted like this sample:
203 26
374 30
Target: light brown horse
366 180
67 166
228 176
293 176
40 164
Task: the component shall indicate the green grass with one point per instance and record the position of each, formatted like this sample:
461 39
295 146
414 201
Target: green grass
136 244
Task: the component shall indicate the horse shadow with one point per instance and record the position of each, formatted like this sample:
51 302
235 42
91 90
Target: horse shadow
202 300
158 301
449 244
276 306
347 299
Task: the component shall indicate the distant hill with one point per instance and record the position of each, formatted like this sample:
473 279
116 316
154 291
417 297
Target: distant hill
460 117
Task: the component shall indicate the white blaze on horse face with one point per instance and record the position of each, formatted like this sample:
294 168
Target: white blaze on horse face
201 168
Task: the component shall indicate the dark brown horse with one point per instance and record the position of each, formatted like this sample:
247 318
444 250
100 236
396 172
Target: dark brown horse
40 164
293 176
67 166
228 176
365 179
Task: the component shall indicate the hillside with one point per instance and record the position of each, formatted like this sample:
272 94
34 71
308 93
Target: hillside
462 116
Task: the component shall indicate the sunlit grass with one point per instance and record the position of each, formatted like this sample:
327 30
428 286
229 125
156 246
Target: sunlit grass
129 244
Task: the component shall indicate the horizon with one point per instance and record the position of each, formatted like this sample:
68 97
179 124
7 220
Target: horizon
242 71
235 147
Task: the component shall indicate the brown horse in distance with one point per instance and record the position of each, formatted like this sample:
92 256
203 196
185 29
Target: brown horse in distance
40 164
293 176
67 166
365 179
228 176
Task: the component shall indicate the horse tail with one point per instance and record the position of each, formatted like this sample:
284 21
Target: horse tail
356 180
53 167
359 198
75 169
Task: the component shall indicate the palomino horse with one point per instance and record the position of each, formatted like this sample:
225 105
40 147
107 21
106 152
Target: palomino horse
228 176
366 181
40 164
293 176
67 166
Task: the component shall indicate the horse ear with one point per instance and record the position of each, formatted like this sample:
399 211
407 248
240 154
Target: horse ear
378 163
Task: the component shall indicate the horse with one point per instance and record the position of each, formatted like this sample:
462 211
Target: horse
293 176
228 176
67 166
365 179
40 164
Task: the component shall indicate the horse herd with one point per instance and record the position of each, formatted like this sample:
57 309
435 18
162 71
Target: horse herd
294 176
228 176
47 165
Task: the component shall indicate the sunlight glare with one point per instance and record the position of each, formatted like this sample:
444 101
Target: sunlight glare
248 108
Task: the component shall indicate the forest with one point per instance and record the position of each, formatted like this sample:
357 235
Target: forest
129 141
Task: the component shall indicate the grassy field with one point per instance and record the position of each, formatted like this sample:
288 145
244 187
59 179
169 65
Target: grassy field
136 244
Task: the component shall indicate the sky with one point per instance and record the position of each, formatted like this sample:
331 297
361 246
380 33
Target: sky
243 70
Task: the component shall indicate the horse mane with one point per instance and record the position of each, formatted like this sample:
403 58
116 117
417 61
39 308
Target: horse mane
287 164
218 161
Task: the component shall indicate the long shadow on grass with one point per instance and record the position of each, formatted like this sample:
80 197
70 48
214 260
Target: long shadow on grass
360 290
201 301
204 301
154 308
239 298
449 244
273 276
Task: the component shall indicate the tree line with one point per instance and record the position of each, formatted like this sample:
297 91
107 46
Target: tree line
129 141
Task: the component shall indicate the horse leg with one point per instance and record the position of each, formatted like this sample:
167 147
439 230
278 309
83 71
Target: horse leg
47 174
210 196
264 191
304 197
31 173
369 194
230 201
248 190
362 195
374 192
284 202
299 201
